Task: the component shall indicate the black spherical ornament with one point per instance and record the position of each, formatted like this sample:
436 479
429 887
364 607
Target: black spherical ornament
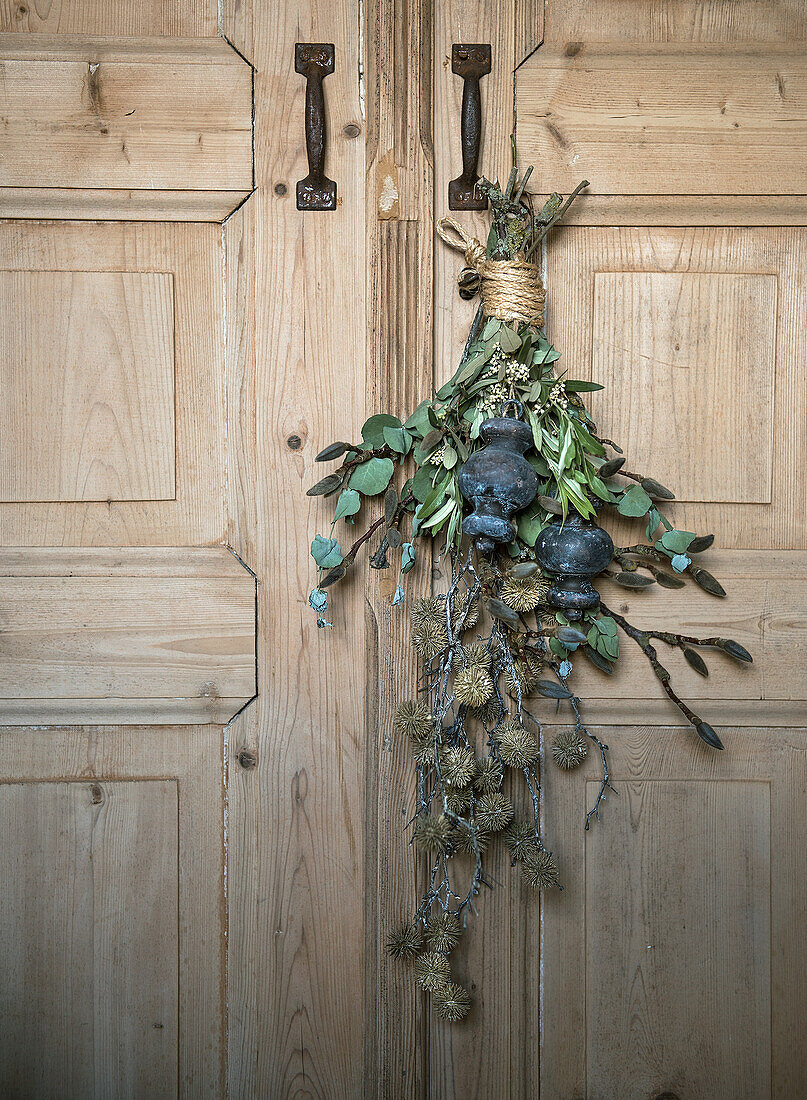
498 481
573 553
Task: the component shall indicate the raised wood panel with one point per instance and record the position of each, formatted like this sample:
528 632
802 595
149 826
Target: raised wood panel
672 960
765 610
117 849
577 22
80 645
661 120
689 357
87 375
89 932
90 116
129 256
113 17
580 263
658 937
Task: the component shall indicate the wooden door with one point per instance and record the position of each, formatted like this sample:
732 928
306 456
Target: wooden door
127 624
198 882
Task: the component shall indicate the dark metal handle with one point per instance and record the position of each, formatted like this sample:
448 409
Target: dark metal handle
470 61
315 61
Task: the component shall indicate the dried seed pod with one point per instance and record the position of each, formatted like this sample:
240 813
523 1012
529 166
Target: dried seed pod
413 720
432 833
524 593
443 931
458 799
473 686
477 656
697 662
427 609
405 942
429 639
540 869
489 775
432 970
451 1002
517 747
520 838
457 765
707 582
464 836
569 749
494 812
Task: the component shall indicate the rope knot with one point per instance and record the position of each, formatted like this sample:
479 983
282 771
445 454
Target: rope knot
511 289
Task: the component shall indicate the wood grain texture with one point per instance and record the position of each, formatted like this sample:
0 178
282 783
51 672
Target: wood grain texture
177 123
191 255
144 925
577 22
575 260
671 960
87 372
689 357
665 120
658 937
89 930
78 638
398 66
297 907
494 1053
67 17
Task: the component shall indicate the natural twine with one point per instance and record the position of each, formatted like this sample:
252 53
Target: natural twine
511 290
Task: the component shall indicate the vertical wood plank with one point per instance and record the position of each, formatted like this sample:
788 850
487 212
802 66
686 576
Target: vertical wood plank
296 381
400 373
493 1052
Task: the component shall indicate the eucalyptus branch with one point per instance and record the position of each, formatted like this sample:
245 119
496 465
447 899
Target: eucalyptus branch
642 639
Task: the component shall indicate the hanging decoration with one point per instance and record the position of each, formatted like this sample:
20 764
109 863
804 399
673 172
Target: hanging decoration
506 472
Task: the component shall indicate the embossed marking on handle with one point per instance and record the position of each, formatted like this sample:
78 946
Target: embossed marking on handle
470 61
315 61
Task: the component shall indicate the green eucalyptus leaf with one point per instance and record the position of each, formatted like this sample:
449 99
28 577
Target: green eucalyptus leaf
634 502
348 504
449 457
600 662
326 486
407 557
373 430
327 553
422 482
680 562
677 542
509 340
397 439
373 476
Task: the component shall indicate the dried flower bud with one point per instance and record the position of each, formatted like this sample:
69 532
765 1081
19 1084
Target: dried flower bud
476 655
464 835
458 799
427 609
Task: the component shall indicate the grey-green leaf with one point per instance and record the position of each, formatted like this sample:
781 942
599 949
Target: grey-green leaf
696 661
373 476
568 634
701 543
656 489
390 505
634 580
735 650
707 734
551 690
667 580
326 486
335 450
549 504
500 610
707 582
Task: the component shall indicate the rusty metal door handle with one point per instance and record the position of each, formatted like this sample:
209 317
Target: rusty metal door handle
315 61
470 61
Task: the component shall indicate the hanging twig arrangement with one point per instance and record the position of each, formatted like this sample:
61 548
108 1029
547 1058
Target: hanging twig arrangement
520 607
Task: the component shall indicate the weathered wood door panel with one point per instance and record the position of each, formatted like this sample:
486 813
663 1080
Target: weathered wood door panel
671 964
122 609
167 380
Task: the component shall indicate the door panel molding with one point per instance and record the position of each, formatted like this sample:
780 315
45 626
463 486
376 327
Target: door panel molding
165 637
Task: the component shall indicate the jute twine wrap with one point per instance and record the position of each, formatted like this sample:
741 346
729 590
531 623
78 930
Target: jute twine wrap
511 290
